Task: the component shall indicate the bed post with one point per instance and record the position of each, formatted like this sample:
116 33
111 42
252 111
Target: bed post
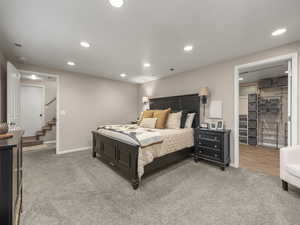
94 145
135 183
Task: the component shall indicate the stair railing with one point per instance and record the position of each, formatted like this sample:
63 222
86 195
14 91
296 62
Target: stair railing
51 101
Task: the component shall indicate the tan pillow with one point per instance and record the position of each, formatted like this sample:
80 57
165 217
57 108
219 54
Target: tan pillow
145 114
148 122
162 116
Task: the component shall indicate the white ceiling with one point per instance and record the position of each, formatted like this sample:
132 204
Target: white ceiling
270 70
155 31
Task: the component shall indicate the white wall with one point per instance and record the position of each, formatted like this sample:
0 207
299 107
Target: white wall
89 102
220 80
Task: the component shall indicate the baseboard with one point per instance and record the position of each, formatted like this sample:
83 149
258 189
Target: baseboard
233 165
50 142
74 150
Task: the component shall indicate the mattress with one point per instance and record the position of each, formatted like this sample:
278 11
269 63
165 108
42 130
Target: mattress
173 140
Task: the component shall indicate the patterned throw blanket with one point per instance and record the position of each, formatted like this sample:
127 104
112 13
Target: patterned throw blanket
144 136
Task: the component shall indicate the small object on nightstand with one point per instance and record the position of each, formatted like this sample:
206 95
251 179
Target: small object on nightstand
134 122
204 125
212 146
212 125
220 125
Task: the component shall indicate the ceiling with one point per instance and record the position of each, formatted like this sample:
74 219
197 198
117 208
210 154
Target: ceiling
35 78
271 70
156 31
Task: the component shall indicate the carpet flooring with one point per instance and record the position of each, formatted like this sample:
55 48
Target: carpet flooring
75 189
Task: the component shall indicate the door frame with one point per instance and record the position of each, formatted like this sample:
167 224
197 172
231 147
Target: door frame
294 107
57 77
43 97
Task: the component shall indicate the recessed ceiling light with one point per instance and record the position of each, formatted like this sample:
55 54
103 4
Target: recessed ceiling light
18 45
33 77
85 44
116 3
123 75
21 58
241 78
70 63
188 48
279 32
147 64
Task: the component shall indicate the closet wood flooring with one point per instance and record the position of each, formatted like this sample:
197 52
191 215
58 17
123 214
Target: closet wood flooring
260 159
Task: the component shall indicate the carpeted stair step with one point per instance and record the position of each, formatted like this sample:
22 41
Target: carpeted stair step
31 141
39 134
51 123
46 128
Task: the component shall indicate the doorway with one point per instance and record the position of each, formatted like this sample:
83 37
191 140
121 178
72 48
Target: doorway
39 108
265 111
263 116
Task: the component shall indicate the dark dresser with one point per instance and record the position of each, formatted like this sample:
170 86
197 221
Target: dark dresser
213 146
11 179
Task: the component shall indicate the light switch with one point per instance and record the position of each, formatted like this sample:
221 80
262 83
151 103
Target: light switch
62 112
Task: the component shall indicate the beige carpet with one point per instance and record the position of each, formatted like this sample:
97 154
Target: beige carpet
39 147
76 189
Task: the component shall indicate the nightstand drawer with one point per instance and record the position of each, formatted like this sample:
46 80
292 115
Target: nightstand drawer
211 154
207 136
210 144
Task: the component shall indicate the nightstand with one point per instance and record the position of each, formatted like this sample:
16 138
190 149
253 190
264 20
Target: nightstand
212 146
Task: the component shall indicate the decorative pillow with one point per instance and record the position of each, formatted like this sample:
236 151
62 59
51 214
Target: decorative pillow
140 118
174 120
162 116
148 122
145 114
189 120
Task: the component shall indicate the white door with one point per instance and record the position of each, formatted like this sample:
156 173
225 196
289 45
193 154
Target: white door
32 104
290 100
13 96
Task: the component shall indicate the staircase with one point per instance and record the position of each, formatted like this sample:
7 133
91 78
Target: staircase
37 139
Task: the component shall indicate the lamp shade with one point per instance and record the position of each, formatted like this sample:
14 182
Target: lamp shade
204 91
145 99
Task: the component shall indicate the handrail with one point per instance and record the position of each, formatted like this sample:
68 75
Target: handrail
51 101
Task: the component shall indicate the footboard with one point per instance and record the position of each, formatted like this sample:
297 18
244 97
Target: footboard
120 156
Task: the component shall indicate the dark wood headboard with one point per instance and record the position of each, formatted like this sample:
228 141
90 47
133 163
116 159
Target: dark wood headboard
188 103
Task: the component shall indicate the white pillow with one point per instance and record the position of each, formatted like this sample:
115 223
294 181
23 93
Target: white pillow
174 120
189 120
148 123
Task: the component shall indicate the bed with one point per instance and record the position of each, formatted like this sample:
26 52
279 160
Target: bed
126 157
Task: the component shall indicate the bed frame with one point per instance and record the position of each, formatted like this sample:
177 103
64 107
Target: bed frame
123 157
